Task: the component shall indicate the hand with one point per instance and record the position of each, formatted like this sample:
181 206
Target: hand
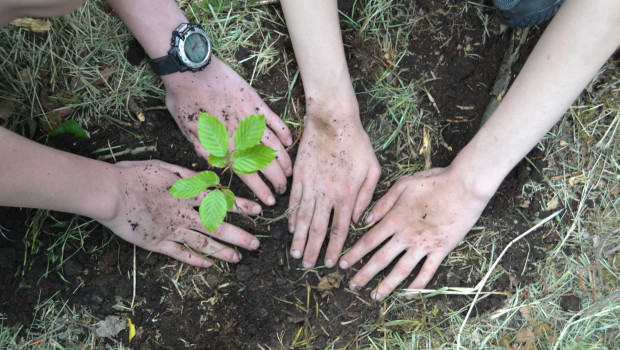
336 168
150 217
423 215
220 91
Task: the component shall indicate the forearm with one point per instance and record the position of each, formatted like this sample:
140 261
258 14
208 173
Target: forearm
315 33
574 46
35 176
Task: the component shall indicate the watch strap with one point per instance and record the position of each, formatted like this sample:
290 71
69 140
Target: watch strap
165 65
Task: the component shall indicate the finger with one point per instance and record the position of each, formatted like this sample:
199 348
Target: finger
369 241
258 187
225 232
379 261
318 230
302 223
365 193
399 273
276 176
180 252
277 125
282 157
426 272
293 204
246 206
385 203
337 235
202 243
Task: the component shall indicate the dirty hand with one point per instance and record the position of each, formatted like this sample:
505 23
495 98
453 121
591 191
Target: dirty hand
423 215
150 217
336 168
220 91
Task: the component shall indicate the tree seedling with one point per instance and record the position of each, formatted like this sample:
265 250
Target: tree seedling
248 157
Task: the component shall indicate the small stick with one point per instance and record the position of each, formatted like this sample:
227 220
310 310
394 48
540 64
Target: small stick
132 151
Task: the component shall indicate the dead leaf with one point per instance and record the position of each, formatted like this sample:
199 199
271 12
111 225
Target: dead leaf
110 327
33 25
330 281
526 335
6 110
105 73
542 330
553 204
52 119
25 76
526 312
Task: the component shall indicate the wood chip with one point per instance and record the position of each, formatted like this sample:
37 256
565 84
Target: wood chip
33 25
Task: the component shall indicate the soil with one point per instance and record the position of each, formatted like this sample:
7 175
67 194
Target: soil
268 295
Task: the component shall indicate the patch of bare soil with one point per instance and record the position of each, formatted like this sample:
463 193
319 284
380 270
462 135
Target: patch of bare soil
267 298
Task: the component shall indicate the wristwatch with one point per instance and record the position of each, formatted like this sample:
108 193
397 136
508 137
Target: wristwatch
190 51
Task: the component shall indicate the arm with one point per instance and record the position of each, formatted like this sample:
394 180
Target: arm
336 168
130 198
429 213
217 90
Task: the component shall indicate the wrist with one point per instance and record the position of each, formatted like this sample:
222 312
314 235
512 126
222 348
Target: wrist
189 80
477 181
109 198
333 107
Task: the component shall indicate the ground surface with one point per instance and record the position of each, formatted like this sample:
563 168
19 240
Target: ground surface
267 298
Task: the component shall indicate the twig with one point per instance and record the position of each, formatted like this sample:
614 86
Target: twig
132 151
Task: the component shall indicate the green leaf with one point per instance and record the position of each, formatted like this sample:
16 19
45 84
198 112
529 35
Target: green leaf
186 188
248 161
230 198
213 210
219 162
70 127
249 132
212 135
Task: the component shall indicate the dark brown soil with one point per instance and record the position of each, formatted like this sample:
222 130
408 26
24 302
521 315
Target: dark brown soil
267 295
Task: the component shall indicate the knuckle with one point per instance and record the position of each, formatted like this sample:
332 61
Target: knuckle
382 259
368 240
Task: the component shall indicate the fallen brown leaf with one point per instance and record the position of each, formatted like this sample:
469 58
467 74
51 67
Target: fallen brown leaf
330 281
526 335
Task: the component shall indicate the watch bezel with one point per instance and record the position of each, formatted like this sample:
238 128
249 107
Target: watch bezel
182 32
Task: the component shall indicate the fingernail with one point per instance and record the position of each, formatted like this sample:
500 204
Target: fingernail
307 265
271 200
256 209
236 258
353 287
369 218
376 295
291 229
207 263
254 244
289 171
296 254
344 264
329 263
357 218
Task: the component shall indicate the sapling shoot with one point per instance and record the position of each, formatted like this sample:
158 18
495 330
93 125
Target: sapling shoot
248 157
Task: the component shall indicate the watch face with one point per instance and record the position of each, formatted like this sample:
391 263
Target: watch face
196 47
